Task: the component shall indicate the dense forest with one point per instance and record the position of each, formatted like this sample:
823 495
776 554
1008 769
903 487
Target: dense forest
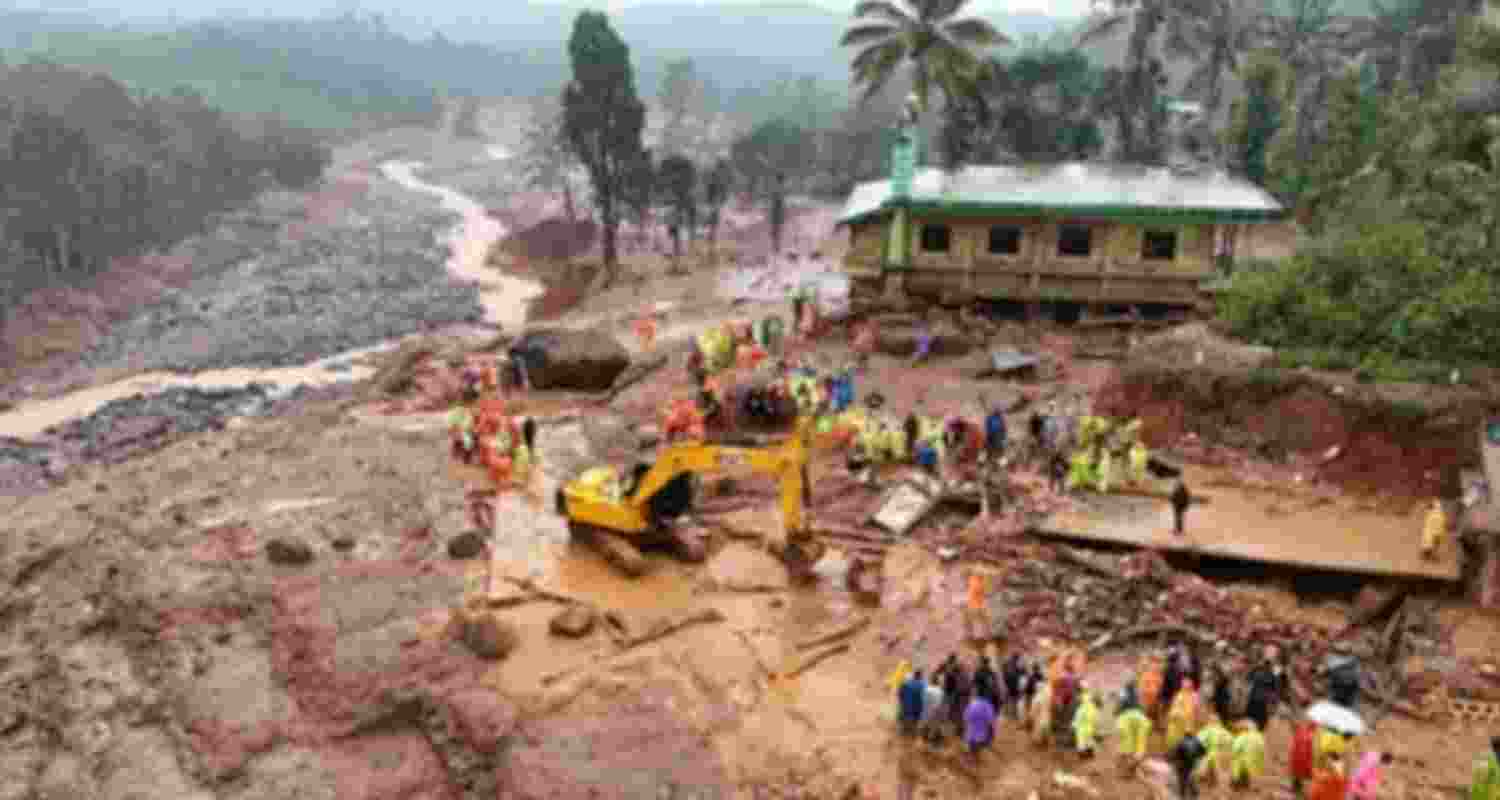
93 172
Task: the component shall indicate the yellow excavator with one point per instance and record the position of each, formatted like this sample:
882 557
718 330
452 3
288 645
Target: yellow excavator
620 514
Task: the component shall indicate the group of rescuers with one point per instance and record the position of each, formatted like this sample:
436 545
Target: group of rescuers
1211 737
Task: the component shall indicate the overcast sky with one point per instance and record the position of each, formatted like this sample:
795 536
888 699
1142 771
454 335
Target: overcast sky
1057 8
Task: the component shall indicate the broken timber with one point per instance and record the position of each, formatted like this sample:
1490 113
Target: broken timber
815 658
841 632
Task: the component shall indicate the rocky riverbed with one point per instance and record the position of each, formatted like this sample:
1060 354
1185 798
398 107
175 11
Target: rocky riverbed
375 274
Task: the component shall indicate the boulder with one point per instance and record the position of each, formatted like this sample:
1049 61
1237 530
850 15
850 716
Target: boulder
578 360
466 545
288 552
574 622
489 637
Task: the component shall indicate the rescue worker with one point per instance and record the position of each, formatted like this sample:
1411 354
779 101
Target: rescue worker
1150 686
1331 746
933 710
1265 686
896 679
912 696
1184 757
1012 674
1434 530
1304 738
1222 696
1219 742
461 428
1249 755
1085 722
957 688
1181 499
1365 783
995 434
645 330
1486 785
974 607
1106 471
1057 472
986 682
1080 469
1134 729
979 724
1041 712
1139 457
1183 716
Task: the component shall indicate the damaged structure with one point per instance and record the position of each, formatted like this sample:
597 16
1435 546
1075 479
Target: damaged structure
1069 235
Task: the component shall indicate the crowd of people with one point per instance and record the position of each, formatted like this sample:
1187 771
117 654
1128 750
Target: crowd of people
1210 734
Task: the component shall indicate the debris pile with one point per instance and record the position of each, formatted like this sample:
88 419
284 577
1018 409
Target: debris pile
1064 594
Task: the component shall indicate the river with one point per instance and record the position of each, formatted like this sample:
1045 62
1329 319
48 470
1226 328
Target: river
503 297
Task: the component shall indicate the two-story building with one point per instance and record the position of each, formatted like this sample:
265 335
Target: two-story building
1075 234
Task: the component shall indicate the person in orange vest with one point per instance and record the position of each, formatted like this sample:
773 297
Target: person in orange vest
975 608
1301 761
645 330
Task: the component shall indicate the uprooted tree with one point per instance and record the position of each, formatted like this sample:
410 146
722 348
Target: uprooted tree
602 121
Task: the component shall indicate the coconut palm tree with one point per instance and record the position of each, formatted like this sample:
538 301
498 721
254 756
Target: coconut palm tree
925 34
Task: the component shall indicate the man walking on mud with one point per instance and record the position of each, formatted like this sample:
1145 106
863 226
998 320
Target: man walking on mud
1181 499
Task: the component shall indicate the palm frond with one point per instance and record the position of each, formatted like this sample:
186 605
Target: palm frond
864 34
883 9
935 12
975 33
872 57
878 69
1104 27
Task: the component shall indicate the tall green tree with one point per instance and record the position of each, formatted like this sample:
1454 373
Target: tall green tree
926 35
677 179
716 188
603 119
548 158
767 157
1257 116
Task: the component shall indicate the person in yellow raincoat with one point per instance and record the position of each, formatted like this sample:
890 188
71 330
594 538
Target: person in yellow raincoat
1139 457
1134 729
1434 530
893 682
1219 742
1080 469
1329 748
1085 722
1106 472
1249 755
1184 714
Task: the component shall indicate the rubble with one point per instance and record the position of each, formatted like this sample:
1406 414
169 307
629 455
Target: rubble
288 552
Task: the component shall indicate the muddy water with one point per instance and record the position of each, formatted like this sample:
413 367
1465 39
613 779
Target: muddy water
504 300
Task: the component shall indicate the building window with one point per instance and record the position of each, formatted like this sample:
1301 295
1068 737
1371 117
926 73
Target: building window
936 238
1076 241
1005 240
1159 245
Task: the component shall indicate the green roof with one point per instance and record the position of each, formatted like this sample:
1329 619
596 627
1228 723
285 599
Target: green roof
1116 191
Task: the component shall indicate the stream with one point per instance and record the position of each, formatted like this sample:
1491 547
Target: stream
504 299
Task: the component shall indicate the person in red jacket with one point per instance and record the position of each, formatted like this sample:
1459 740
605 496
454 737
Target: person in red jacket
1302 755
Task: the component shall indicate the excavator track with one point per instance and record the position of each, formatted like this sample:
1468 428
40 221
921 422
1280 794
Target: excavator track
615 549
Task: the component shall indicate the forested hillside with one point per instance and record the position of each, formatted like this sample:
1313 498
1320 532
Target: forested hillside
94 173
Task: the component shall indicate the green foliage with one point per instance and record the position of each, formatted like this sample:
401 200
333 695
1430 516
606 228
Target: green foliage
677 180
326 74
603 119
94 174
927 35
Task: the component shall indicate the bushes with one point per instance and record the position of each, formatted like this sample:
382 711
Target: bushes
1377 299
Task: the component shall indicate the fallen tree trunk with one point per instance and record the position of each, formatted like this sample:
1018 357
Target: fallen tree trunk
664 628
1089 563
814 659
841 632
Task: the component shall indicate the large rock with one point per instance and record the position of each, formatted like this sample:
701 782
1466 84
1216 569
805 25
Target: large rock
573 622
489 637
580 360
